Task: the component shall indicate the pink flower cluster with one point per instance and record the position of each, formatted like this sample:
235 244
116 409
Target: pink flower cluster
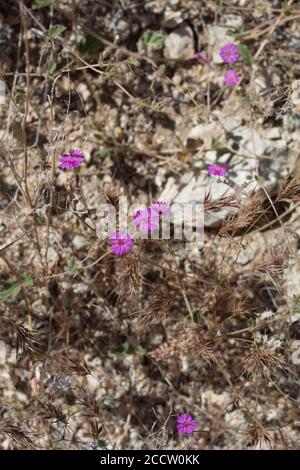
230 54
217 170
69 161
185 424
120 243
145 221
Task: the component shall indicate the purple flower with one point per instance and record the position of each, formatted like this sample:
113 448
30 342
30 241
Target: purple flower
185 424
146 220
217 170
201 56
229 53
231 78
161 207
71 160
120 242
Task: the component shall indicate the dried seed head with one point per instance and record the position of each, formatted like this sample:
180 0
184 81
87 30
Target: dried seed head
221 202
89 404
261 360
129 277
198 348
257 436
289 190
27 342
111 196
156 311
47 410
248 215
271 268
17 436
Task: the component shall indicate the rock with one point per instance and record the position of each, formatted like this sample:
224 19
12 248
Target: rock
234 21
172 18
80 288
160 177
260 84
273 133
79 242
251 142
203 134
179 45
191 187
295 96
231 122
217 37
84 91
278 148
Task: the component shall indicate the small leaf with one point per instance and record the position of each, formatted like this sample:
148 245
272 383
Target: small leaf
28 280
55 31
140 351
251 323
151 41
245 53
37 4
216 143
287 11
107 152
108 401
236 31
14 288
50 67
127 349
72 266
196 316
248 417
89 45
98 136
10 291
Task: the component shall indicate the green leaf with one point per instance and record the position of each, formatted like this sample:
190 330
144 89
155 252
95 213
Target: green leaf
251 323
140 351
248 417
14 288
50 67
107 152
72 266
89 45
108 401
98 135
196 316
245 53
236 31
55 31
287 11
216 143
10 291
127 349
37 4
28 280
151 41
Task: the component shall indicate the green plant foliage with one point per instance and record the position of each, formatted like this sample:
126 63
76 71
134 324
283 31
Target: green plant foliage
37 4
14 288
151 41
